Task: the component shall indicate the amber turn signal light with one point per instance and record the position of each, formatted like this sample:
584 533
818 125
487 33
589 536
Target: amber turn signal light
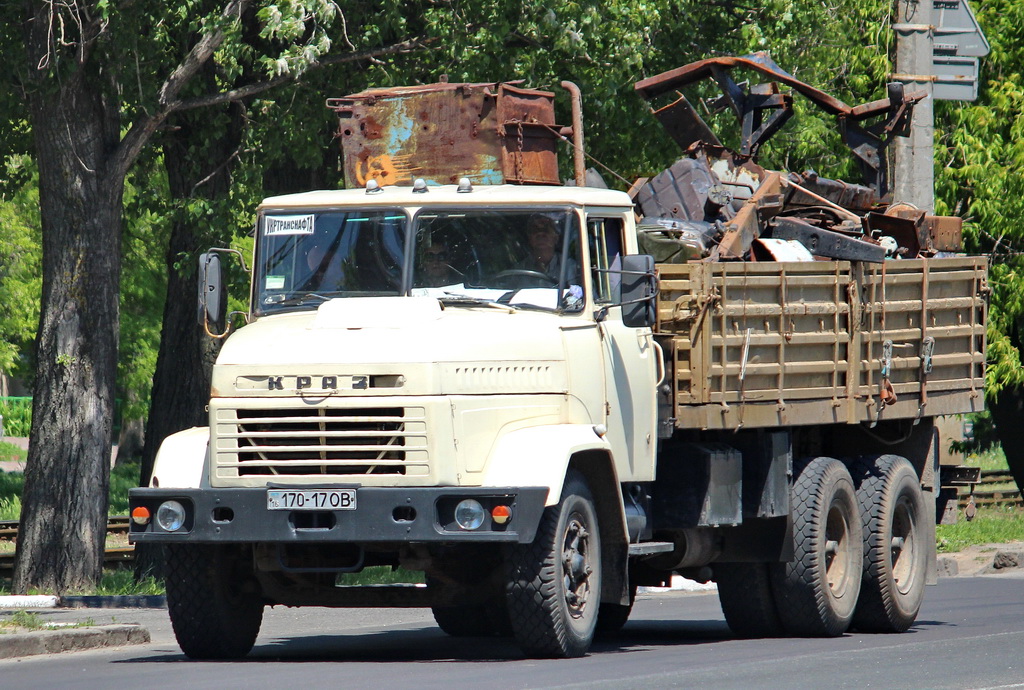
501 514
140 515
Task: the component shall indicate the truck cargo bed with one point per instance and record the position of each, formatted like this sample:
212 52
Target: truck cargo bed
771 344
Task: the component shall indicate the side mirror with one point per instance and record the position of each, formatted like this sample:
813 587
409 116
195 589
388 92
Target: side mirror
639 291
212 303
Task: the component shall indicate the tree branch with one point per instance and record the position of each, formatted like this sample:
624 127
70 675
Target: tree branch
197 57
409 46
143 129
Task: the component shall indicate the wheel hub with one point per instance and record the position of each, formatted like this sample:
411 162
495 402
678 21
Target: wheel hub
576 568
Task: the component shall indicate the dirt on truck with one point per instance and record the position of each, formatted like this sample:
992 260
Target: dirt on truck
544 395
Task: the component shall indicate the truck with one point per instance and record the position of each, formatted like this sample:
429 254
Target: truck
463 367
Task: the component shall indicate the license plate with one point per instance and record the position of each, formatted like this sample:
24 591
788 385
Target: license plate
312 499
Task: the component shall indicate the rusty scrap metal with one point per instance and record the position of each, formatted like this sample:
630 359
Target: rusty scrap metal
491 133
827 243
712 186
762 110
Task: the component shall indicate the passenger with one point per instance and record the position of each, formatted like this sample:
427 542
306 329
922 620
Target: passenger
435 271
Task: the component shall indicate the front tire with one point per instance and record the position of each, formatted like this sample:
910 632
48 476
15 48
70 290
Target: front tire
554 590
895 554
213 600
816 593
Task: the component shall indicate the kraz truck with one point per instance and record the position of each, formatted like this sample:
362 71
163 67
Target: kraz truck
543 395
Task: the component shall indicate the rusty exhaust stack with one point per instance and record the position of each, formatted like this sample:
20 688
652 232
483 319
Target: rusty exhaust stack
577 132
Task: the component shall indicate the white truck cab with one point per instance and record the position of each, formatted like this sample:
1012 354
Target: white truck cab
423 367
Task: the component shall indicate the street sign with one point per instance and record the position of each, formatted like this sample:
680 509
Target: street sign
956 78
956 30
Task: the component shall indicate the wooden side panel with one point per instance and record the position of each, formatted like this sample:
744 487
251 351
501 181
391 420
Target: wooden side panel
768 344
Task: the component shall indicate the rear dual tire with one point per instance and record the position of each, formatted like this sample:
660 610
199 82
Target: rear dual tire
895 563
816 593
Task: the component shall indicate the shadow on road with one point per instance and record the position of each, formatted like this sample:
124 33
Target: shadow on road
429 645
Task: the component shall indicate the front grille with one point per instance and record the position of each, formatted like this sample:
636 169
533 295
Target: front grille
321 441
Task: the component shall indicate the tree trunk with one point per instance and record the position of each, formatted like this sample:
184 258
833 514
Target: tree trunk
63 521
184 365
198 166
1008 414
1007 410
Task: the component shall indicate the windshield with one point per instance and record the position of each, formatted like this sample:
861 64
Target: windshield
516 258
513 257
304 258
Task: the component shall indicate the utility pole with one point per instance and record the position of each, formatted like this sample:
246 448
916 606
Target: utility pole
913 169
938 45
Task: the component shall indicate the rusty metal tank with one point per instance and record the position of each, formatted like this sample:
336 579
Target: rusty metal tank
492 133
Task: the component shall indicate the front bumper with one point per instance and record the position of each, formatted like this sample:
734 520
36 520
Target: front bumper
382 515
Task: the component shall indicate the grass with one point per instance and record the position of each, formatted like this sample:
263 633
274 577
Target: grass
26 621
993 459
122 582
992 525
380 575
12 453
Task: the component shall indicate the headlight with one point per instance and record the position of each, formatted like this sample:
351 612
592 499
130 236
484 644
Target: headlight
469 514
170 516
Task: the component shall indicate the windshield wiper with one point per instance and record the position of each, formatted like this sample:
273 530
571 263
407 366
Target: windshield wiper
530 306
451 299
301 299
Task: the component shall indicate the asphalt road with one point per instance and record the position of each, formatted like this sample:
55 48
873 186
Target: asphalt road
970 635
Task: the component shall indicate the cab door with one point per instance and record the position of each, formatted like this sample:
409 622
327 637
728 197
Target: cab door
630 356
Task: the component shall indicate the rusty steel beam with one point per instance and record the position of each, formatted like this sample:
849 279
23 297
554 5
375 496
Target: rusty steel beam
746 225
759 62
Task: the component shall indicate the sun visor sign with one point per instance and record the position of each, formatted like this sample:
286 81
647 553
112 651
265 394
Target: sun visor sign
289 225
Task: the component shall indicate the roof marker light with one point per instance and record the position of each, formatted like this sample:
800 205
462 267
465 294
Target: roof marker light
373 187
419 186
465 186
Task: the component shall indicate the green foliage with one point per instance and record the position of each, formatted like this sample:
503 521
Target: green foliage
980 175
983 448
122 478
143 288
989 526
20 278
10 508
17 414
11 484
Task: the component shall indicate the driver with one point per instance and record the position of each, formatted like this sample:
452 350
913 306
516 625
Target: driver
545 251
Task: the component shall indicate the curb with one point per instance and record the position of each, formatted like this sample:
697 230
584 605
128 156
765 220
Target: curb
41 601
71 640
998 561
126 601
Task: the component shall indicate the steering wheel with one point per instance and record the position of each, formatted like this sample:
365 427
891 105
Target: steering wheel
523 273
